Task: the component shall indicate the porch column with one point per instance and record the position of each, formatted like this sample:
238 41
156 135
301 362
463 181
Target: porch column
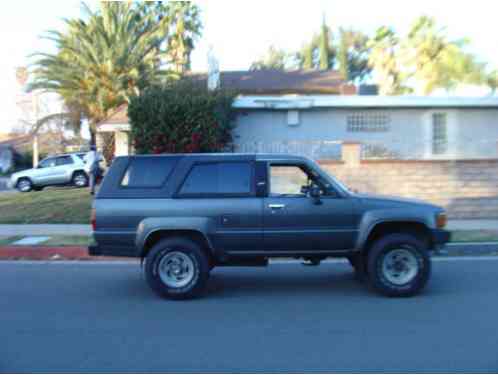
122 143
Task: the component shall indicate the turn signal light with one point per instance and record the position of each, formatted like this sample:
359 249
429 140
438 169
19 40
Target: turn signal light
441 220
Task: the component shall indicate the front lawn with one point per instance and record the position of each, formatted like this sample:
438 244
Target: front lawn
49 206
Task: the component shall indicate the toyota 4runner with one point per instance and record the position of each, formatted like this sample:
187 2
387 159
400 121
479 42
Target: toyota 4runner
185 214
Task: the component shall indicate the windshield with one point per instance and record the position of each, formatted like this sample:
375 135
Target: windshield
331 178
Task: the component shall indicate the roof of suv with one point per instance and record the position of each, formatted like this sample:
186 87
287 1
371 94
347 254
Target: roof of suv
231 156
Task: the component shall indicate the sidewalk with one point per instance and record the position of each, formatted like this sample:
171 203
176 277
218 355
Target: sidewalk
86 230
482 224
8 230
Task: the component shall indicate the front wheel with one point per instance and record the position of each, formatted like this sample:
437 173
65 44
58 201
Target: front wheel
24 185
177 268
399 265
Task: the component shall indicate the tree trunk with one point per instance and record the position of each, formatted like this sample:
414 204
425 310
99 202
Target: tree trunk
93 134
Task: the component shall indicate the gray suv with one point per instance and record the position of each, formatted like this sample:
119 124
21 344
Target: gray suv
185 214
64 169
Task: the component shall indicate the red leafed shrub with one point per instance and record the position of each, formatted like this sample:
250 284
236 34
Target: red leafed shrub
181 117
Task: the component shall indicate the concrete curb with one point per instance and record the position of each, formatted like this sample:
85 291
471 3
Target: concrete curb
81 252
50 253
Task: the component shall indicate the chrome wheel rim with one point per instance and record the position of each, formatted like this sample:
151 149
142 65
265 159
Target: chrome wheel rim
176 269
400 266
24 185
80 180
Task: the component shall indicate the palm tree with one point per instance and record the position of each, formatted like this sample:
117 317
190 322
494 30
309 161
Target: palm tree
102 61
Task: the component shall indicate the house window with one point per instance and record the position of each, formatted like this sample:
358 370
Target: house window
439 134
368 122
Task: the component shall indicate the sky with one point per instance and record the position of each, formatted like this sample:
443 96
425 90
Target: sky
241 31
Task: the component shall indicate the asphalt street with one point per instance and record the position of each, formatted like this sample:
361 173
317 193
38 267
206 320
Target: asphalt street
87 317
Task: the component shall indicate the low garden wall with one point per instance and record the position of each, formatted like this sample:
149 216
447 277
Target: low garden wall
466 188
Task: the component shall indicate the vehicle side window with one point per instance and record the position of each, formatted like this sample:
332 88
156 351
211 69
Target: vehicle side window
63 160
218 178
147 172
47 163
287 180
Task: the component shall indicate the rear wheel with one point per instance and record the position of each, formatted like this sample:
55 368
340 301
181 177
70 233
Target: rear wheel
24 185
399 265
80 179
177 268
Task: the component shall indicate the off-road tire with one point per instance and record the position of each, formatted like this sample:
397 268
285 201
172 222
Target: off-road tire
187 247
79 175
376 275
24 180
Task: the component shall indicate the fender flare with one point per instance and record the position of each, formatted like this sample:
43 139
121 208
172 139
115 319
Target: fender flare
149 226
372 219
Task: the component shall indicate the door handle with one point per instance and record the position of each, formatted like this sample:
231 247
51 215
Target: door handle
276 206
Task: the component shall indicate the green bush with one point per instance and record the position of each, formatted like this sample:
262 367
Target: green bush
24 160
181 117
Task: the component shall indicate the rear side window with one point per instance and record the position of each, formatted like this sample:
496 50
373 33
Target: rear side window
148 172
218 178
64 160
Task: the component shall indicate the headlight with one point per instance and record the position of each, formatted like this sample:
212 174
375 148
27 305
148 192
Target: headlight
441 220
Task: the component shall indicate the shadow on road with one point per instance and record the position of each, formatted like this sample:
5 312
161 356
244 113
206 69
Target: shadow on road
278 284
282 282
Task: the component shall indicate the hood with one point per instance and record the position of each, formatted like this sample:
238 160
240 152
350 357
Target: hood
23 172
392 201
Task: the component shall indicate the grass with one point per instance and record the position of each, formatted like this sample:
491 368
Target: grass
474 236
8 240
49 206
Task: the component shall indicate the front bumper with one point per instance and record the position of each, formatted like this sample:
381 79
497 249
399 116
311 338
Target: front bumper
440 237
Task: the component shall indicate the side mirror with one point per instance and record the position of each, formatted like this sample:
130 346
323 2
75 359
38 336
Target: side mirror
315 193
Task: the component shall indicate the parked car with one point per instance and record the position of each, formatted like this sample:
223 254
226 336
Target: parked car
64 169
185 214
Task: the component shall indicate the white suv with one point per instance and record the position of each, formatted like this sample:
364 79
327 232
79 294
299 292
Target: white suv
66 169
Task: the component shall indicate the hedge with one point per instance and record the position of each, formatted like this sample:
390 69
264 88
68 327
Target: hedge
181 117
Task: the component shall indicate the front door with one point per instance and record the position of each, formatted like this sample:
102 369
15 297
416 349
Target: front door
46 173
295 222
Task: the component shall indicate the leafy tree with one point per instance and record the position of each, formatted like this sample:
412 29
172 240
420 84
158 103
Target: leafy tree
113 55
353 54
434 61
308 56
185 27
383 59
275 59
325 47
491 80
181 116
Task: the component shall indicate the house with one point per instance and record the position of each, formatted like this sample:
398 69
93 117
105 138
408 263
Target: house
314 112
260 82
394 127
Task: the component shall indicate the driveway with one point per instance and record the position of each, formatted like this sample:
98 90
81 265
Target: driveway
87 317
